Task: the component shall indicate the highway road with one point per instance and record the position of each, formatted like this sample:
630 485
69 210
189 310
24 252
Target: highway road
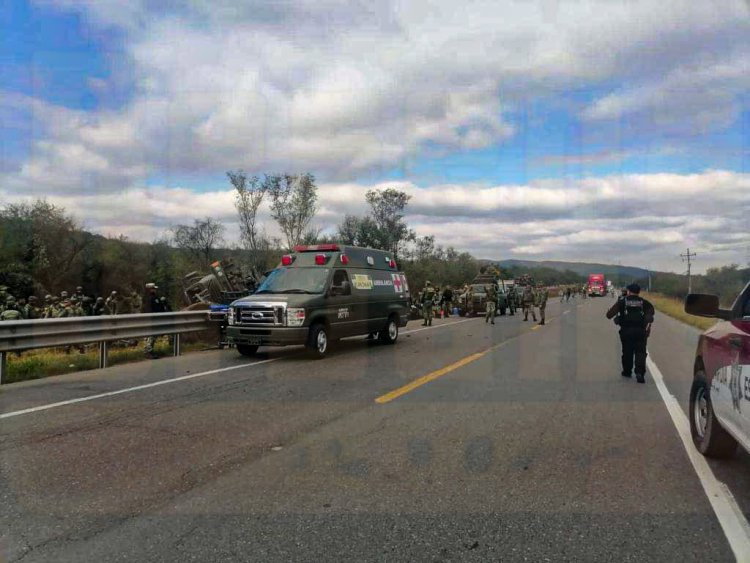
463 442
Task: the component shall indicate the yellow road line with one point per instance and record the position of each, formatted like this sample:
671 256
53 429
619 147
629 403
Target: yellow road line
432 376
396 393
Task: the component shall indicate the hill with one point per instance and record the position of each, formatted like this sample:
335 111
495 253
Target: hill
613 271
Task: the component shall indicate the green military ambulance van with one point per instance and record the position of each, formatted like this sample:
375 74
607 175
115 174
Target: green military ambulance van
319 294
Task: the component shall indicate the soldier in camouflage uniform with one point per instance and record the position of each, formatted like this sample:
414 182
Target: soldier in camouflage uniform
11 311
3 297
512 299
491 305
428 302
112 303
542 295
528 300
79 294
153 305
99 308
31 310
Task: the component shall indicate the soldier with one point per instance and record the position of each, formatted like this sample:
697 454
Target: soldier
447 300
165 307
490 307
136 302
427 300
76 307
63 295
152 305
512 299
3 297
542 294
99 308
527 302
32 311
634 315
112 303
79 294
12 311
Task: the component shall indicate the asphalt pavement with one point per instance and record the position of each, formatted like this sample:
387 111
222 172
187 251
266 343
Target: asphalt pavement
463 442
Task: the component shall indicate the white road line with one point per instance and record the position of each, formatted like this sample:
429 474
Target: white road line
130 389
439 326
733 522
174 380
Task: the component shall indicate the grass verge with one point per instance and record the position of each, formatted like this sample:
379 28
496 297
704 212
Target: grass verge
36 364
675 308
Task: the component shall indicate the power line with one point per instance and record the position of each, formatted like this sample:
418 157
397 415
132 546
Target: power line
687 257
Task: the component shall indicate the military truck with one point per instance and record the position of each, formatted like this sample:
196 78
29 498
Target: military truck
215 291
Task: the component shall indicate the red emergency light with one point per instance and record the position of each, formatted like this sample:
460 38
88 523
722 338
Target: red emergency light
392 263
317 248
287 260
321 259
344 259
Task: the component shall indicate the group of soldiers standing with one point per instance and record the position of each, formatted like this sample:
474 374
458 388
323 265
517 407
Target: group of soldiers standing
73 304
431 299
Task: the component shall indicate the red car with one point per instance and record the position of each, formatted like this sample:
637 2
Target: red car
720 395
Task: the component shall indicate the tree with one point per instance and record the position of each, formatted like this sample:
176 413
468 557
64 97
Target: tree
387 212
293 204
199 239
43 241
250 194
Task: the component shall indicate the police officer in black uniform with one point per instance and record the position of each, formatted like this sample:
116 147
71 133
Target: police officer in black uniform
634 316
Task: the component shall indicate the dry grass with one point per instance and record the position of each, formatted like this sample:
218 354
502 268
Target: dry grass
675 308
36 364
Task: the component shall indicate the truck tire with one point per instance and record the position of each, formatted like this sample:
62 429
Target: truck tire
318 341
389 334
708 436
247 349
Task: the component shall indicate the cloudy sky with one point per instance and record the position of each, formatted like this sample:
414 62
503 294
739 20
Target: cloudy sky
606 130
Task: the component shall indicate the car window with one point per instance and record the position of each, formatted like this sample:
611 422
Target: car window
339 277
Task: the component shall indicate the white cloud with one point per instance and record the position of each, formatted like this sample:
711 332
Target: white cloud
345 87
636 219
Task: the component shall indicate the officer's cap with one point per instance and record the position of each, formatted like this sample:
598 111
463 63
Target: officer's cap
151 286
634 288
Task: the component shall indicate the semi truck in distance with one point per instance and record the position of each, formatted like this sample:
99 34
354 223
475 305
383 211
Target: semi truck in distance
597 287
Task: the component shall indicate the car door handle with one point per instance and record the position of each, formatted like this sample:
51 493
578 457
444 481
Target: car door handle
735 342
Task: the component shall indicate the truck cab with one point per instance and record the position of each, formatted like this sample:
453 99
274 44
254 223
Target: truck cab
319 294
720 393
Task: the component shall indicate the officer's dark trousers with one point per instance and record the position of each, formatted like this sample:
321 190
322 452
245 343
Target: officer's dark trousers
633 347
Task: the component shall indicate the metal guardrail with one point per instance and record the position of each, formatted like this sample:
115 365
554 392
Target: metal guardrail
16 336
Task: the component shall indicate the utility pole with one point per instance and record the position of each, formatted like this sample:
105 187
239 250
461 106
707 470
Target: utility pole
687 257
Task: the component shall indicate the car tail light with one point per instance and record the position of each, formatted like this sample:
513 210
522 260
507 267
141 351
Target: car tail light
321 259
287 260
344 259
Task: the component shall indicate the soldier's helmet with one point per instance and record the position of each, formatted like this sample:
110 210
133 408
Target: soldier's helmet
428 282
79 289
63 294
55 299
32 298
48 297
100 299
10 300
113 293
